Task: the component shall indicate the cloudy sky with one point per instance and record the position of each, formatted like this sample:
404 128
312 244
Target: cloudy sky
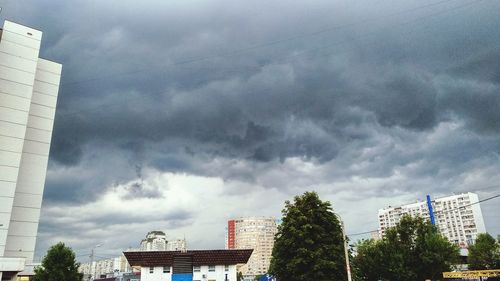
177 115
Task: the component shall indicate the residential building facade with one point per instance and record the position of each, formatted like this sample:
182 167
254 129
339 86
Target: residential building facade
155 241
195 265
176 245
458 217
29 88
106 267
255 233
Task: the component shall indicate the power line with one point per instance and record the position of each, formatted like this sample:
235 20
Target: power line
467 205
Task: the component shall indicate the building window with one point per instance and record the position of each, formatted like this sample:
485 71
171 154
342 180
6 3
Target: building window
166 269
196 268
226 268
211 268
151 269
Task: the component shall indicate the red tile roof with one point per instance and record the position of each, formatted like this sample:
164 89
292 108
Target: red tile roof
200 257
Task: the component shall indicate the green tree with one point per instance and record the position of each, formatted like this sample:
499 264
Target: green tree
309 244
484 253
239 276
412 250
58 265
366 264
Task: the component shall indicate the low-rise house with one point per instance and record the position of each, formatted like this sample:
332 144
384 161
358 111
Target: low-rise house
196 265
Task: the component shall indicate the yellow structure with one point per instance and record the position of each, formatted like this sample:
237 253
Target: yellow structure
472 274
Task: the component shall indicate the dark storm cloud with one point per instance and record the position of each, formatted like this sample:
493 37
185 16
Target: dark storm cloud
143 82
125 83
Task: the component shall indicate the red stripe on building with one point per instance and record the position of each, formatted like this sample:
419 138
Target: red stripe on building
231 234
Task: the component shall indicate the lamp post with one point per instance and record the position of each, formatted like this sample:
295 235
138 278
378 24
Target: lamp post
346 251
92 272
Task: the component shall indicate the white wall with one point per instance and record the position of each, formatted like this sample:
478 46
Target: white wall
25 216
157 275
19 48
28 96
218 275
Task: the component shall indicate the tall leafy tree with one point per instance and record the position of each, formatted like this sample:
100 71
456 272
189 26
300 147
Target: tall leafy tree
366 263
412 250
58 265
309 244
485 253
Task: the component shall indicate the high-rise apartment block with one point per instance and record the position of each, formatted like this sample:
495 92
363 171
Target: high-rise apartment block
255 233
458 217
29 87
177 245
157 241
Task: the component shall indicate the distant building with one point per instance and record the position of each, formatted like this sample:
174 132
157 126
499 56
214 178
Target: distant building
177 245
157 241
203 265
458 217
154 241
29 88
255 233
106 267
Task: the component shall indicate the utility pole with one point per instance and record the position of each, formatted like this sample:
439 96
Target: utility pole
346 250
92 272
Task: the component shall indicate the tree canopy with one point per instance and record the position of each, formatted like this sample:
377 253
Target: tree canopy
58 265
412 250
484 253
309 244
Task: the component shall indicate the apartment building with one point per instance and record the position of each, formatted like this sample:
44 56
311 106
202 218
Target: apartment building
106 267
29 88
157 241
176 245
458 217
255 233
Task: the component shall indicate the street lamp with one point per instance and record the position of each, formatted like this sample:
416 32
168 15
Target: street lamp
346 251
92 272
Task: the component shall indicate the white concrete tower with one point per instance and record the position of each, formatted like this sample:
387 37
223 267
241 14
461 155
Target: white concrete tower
28 94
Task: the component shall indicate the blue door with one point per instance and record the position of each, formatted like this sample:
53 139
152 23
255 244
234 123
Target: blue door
182 277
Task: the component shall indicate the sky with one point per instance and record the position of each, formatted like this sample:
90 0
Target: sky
179 115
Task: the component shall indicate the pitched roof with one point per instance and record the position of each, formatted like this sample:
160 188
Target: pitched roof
199 257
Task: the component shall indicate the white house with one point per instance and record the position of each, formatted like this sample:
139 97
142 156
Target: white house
196 265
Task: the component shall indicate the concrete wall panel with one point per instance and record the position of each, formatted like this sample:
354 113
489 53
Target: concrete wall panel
18 50
13 115
28 200
6 205
26 41
25 214
15 102
17 62
8 173
16 89
44 99
11 159
7 189
42 111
